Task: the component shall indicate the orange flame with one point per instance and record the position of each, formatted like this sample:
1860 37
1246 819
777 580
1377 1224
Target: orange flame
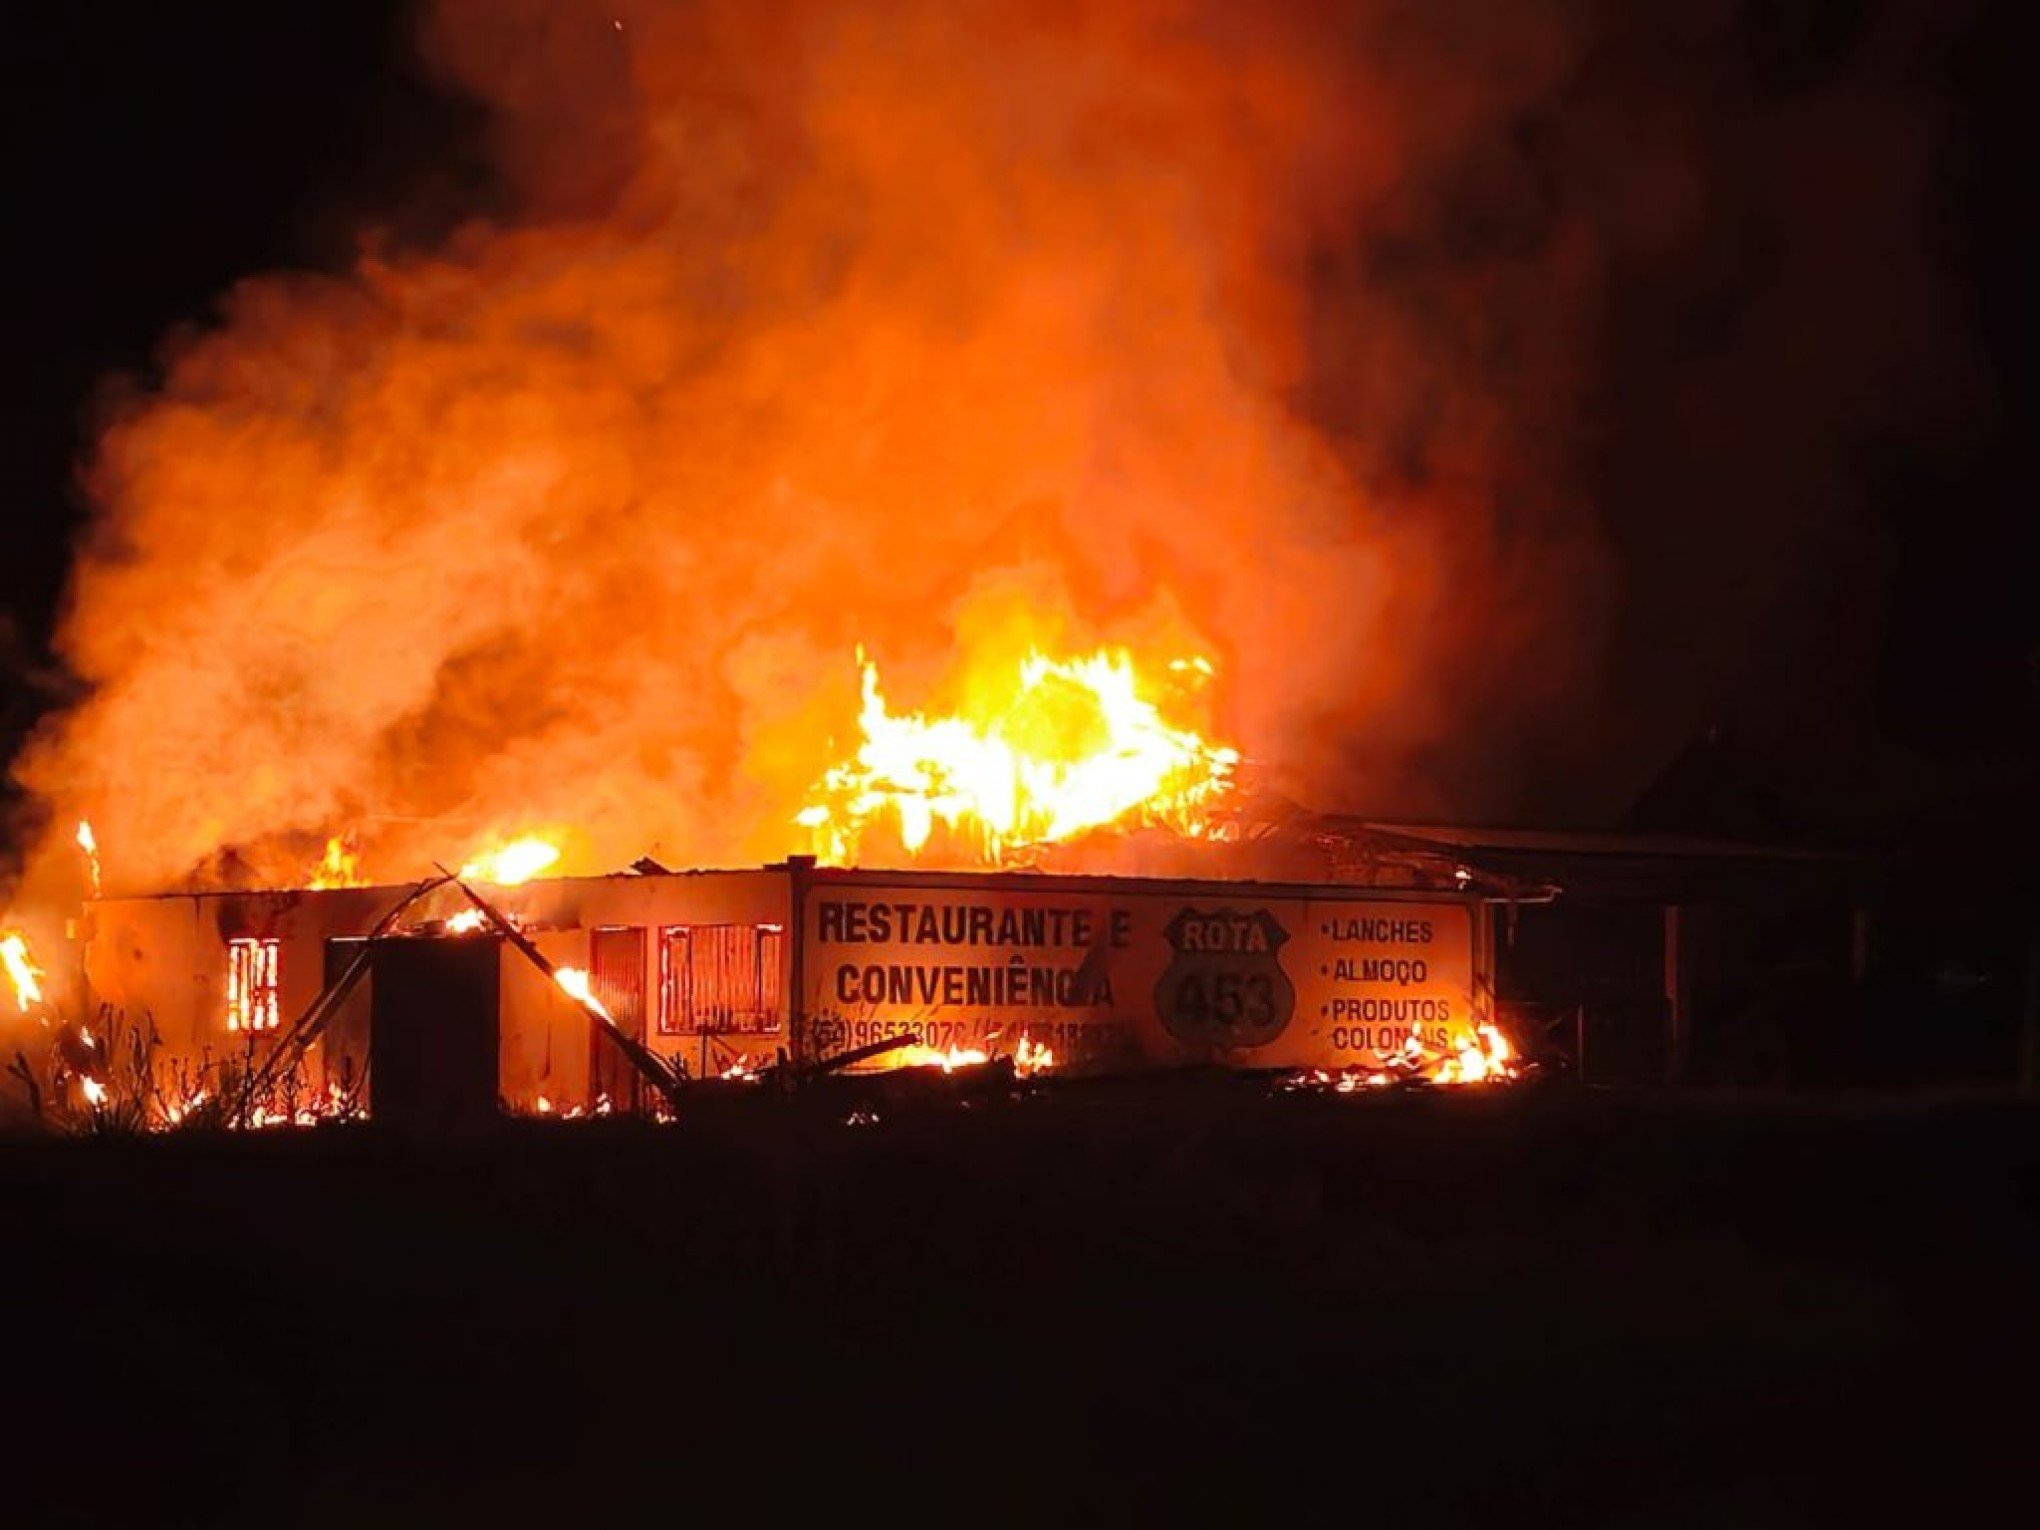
338 867
22 972
1060 747
1030 1058
89 843
518 861
948 1059
1483 1056
573 982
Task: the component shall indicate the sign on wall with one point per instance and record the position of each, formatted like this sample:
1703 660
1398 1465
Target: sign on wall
1260 980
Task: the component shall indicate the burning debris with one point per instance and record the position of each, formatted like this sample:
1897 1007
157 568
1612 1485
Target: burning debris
573 983
1484 1057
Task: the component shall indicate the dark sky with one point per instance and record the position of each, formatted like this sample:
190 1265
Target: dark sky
154 154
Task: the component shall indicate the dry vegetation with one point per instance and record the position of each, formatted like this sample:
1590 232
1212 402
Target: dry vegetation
108 1077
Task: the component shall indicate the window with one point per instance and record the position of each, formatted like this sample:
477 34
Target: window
719 977
251 985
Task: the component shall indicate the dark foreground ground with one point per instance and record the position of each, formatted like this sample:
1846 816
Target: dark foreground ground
1202 1304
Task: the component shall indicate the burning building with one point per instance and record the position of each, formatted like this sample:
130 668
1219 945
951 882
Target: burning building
1156 388
1066 875
730 972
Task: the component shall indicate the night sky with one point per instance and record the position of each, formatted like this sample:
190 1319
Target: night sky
155 155
153 158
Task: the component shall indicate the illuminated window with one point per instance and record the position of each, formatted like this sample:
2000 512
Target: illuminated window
251 985
719 977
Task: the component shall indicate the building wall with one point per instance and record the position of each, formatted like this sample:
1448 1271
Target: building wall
167 959
1112 971
1105 971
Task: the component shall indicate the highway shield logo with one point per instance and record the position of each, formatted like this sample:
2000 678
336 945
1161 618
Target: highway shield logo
1224 987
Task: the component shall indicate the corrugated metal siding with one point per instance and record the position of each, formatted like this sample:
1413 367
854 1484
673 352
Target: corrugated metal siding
720 977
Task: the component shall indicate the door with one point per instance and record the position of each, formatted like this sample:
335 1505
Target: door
434 1033
616 976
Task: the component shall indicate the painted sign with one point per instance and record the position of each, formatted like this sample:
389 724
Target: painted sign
1147 975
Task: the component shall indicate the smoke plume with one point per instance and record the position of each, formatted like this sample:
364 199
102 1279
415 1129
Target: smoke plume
1268 332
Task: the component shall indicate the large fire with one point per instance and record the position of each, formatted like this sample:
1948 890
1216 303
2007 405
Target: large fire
795 327
1033 345
1045 751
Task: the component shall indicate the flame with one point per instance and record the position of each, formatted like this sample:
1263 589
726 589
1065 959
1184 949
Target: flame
22 972
1056 748
95 1092
489 586
518 861
574 982
174 1114
89 843
339 866
948 1059
1482 1056
466 922
1030 1058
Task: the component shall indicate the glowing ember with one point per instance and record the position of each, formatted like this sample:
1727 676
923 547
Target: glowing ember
89 843
742 1071
574 982
1058 748
22 972
338 867
518 861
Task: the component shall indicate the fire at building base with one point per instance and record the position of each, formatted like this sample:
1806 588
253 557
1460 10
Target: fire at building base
419 1004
